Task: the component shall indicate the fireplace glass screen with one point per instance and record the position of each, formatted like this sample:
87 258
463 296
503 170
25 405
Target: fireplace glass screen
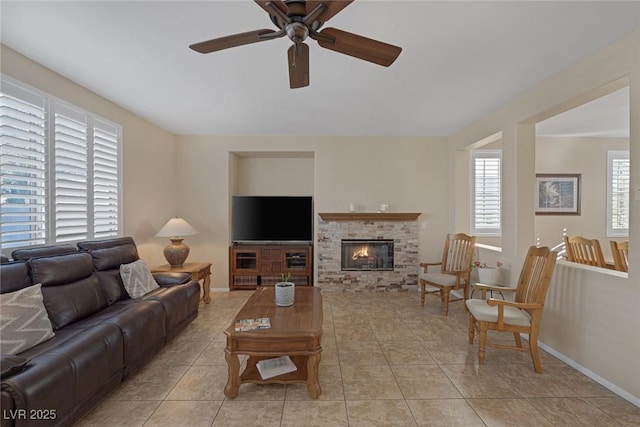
367 255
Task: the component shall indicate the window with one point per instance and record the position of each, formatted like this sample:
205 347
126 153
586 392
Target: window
618 193
486 192
60 177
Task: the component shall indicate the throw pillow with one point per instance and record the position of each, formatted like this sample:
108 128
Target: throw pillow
137 278
24 321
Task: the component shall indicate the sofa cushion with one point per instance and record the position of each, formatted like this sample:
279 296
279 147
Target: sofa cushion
14 276
137 278
28 253
70 289
110 258
24 322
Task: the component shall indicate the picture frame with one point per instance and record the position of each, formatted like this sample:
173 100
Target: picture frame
558 194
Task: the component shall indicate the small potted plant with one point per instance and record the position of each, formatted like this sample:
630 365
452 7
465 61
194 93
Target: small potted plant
487 275
285 291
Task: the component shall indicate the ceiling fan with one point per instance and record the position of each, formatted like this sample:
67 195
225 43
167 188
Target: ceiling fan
299 19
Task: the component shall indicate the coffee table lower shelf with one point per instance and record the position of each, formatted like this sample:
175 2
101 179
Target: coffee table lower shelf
306 372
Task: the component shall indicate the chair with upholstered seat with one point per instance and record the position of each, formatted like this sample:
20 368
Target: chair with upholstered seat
620 252
584 251
520 316
455 270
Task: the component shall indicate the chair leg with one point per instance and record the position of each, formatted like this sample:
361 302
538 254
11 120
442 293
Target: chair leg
444 294
422 292
516 337
472 328
482 341
535 355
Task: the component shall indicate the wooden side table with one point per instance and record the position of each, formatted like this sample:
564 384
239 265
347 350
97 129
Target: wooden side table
199 271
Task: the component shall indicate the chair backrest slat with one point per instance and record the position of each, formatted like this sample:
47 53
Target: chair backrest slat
458 252
584 251
535 276
620 252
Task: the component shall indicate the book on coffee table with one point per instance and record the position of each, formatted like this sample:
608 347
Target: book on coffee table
269 368
252 324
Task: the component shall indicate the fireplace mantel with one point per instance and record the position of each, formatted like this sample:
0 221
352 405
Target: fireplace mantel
369 216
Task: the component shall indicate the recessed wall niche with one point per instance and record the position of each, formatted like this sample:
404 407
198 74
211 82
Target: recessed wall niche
272 173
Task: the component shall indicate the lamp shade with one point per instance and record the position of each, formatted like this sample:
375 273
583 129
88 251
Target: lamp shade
176 227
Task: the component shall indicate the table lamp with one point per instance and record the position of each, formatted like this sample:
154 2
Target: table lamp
175 229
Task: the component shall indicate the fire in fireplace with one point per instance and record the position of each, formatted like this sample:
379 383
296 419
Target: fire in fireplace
367 254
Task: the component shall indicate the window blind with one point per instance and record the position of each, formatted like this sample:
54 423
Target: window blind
486 193
23 170
61 173
618 193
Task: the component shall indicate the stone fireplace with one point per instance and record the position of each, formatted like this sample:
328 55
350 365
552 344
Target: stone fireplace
367 251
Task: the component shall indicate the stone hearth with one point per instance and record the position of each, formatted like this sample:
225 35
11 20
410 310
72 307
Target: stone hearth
333 228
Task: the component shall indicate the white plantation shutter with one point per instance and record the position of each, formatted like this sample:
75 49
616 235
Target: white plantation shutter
22 168
70 174
618 176
106 190
60 172
486 192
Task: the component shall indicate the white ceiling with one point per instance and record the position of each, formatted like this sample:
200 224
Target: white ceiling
460 60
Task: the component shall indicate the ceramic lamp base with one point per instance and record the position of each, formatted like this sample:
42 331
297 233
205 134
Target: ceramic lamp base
176 252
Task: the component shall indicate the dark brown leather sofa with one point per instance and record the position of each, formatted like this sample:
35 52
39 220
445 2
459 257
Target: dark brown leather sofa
102 336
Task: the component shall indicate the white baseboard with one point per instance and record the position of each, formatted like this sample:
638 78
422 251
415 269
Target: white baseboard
597 378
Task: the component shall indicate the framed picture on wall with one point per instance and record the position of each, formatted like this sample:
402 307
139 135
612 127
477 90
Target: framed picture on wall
557 194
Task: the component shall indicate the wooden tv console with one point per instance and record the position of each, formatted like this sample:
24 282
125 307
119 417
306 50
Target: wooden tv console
254 265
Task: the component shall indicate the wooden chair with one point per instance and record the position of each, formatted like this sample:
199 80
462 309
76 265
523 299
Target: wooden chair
455 270
620 252
523 315
584 251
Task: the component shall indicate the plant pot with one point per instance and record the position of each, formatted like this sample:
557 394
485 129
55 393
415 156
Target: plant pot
285 293
489 275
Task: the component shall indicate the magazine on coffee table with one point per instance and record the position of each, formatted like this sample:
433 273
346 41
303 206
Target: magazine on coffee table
252 324
269 368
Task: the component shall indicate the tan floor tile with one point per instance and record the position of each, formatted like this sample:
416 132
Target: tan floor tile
191 413
572 412
424 382
444 413
406 352
531 384
330 379
379 413
201 383
247 414
479 382
508 412
114 413
314 413
617 408
369 382
360 353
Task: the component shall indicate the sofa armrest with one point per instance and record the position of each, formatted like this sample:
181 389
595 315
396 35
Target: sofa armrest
11 364
171 279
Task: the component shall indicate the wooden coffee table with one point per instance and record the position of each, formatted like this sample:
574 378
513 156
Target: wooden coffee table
295 331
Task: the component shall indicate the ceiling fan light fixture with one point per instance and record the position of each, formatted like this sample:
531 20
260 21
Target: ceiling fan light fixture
297 32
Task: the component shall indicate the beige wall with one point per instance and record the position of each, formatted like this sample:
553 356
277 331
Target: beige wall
588 157
275 176
405 173
588 316
148 152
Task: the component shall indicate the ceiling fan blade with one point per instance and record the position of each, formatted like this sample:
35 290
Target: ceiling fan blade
277 3
333 7
358 46
232 41
298 65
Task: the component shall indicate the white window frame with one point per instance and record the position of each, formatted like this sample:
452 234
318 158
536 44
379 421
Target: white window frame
613 155
96 128
475 228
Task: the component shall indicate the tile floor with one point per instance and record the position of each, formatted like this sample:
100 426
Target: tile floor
386 361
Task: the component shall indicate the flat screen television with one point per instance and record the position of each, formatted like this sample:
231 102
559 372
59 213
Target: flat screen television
272 219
